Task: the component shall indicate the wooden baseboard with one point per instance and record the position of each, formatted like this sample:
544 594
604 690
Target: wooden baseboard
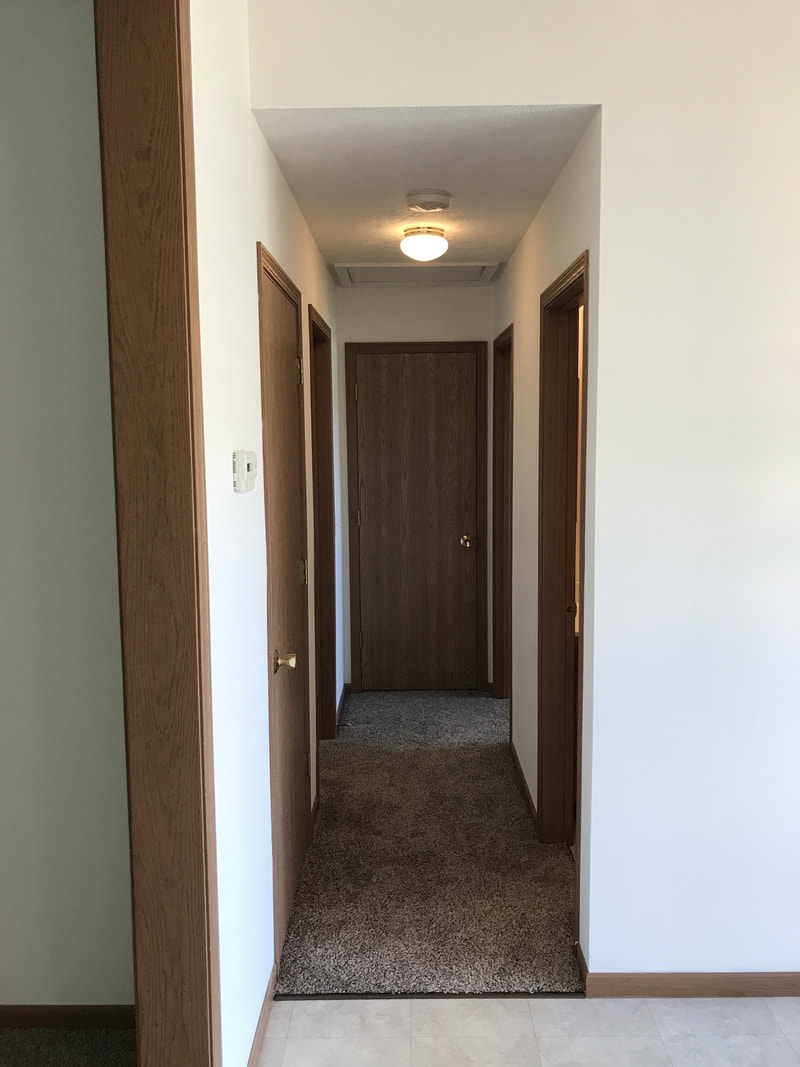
524 785
695 984
68 1016
263 1019
579 956
346 691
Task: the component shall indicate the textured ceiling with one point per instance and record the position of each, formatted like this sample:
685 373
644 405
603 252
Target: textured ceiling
350 170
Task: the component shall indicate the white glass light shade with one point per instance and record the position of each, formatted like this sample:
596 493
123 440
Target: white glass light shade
424 243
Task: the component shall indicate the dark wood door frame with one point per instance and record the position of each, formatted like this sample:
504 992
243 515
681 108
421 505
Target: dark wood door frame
321 372
269 268
147 159
502 509
352 351
560 656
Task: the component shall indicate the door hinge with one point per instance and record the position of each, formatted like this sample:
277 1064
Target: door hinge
308 765
358 516
304 572
299 370
356 390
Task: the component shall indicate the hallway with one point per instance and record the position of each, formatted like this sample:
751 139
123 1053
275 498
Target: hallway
424 874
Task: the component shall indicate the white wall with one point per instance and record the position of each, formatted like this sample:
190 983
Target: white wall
434 314
241 199
568 223
65 906
694 739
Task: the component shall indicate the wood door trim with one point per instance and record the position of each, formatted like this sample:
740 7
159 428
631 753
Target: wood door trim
352 350
263 1020
147 157
481 487
272 267
324 529
269 266
352 516
502 517
695 984
565 292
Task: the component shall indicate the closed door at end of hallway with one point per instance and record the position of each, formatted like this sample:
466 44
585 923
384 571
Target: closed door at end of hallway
417 475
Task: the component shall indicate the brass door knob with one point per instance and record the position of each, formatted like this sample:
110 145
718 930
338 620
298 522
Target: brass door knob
289 660
466 541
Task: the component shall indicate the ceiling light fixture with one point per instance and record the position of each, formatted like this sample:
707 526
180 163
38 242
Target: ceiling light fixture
424 243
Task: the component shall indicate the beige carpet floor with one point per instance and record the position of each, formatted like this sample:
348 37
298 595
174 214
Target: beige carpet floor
424 874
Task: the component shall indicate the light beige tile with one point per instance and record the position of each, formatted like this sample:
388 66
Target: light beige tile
480 1017
279 1015
592 1018
787 1011
351 1018
602 1052
765 1050
347 1052
713 1017
272 1052
474 1052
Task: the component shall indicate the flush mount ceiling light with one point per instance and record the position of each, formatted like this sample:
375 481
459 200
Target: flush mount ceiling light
424 243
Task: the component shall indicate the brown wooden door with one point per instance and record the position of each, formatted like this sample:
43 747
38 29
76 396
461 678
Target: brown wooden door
420 491
287 601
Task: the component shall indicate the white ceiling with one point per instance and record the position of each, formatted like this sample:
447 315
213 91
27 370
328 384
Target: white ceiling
350 170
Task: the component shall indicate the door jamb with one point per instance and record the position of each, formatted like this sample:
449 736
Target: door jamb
502 510
147 158
570 288
352 350
321 375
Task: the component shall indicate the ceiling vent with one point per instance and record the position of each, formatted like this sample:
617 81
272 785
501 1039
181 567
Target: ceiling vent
428 201
417 275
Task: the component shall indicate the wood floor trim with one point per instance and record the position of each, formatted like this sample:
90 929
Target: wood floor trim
523 784
582 966
68 1016
345 693
695 984
263 1020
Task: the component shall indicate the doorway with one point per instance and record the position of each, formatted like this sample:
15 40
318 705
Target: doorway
502 505
287 602
416 417
425 874
562 490
319 334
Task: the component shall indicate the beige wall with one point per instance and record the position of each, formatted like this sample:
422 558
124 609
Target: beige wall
242 198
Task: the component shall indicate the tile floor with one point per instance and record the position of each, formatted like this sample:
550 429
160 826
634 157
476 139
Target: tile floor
534 1033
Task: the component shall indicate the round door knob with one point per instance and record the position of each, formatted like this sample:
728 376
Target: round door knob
289 660
466 541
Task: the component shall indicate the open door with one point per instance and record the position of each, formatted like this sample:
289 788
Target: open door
287 600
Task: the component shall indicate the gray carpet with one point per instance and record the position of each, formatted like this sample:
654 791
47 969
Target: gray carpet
37 1047
424 874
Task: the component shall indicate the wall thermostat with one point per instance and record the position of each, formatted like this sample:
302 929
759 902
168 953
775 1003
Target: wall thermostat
245 468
